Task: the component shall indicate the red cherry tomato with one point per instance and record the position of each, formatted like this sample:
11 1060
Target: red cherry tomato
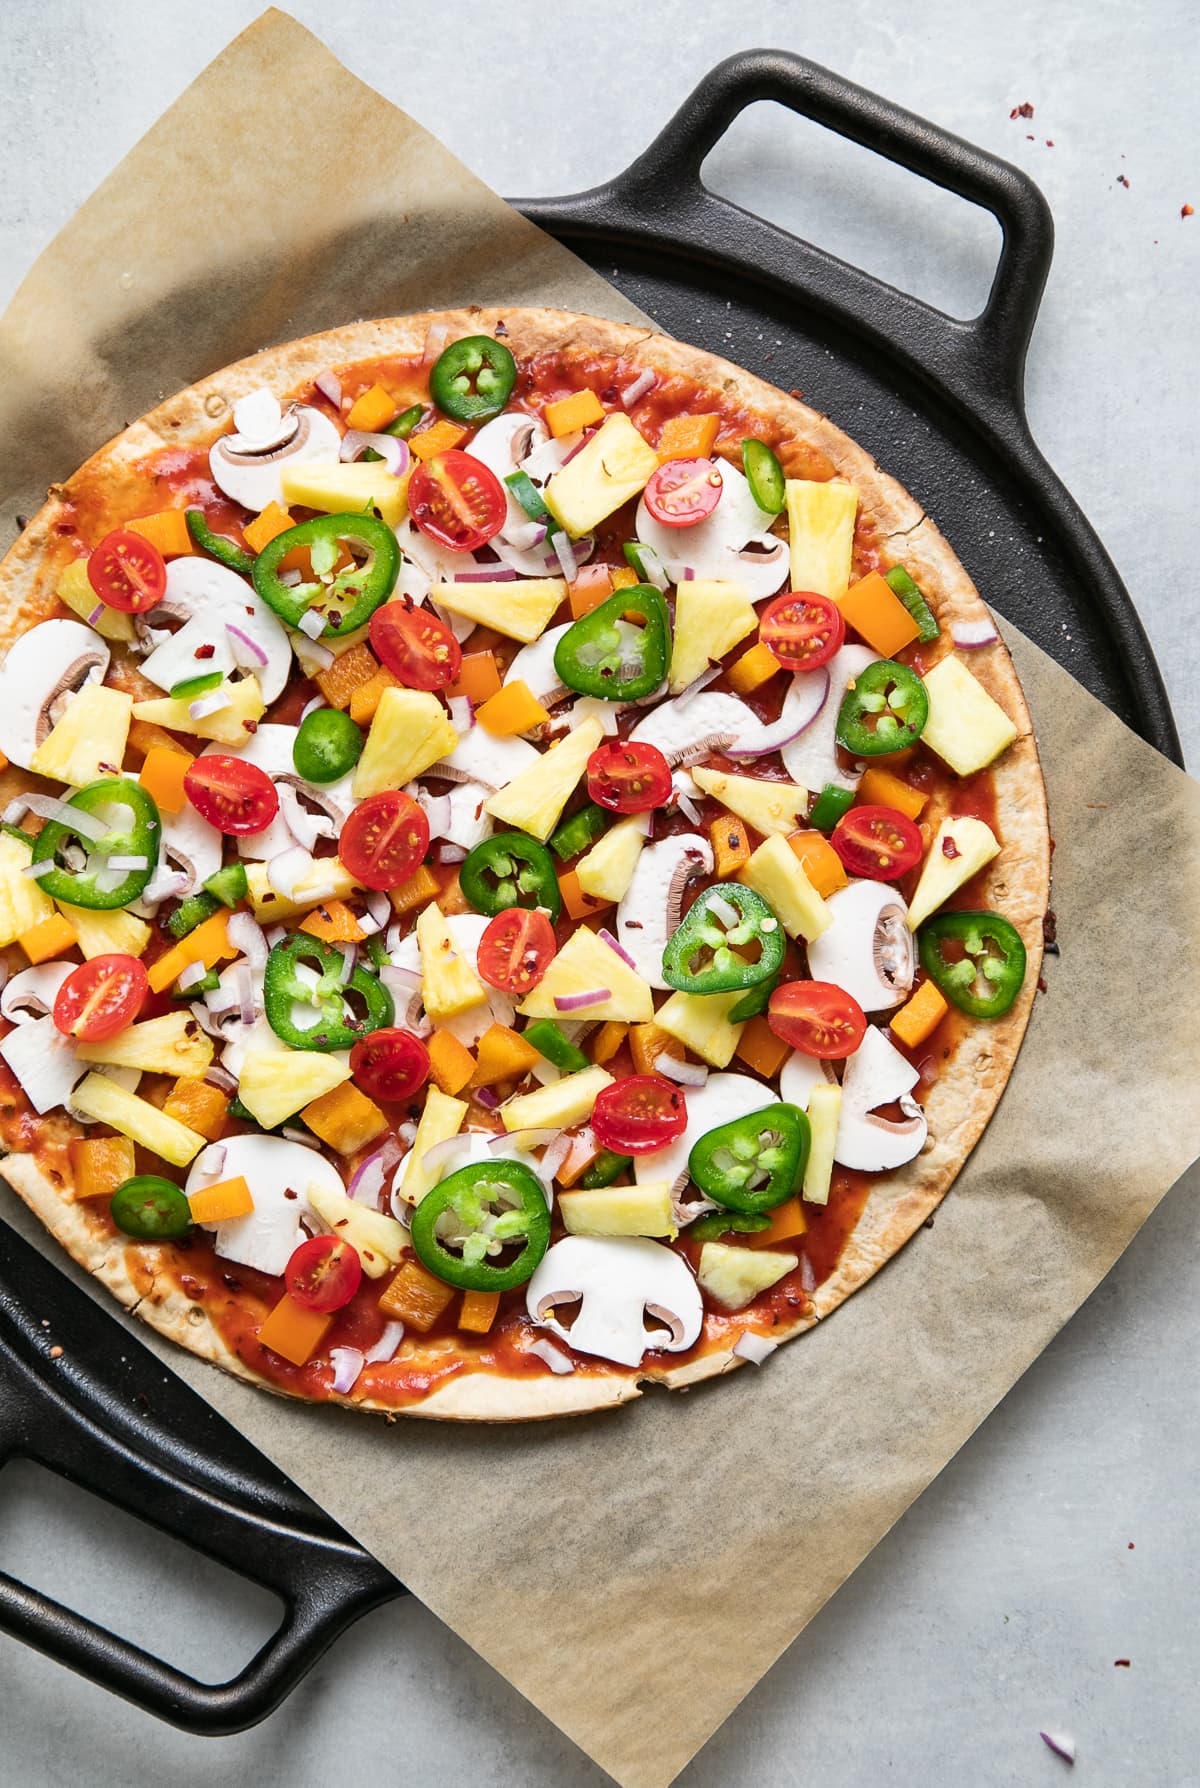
235 797
801 629
127 572
323 1274
626 776
683 491
637 1115
100 998
877 842
384 839
516 950
818 1018
457 500
415 646
390 1064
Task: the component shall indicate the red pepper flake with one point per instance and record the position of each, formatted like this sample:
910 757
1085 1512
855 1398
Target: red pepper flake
1029 137
949 848
1121 1664
251 726
204 651
1184 211
1049 142
1041 984
1122 181
1049 926
1024 110
1131 1545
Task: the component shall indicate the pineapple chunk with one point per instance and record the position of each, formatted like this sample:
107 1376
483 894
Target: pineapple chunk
410 731
821 535
519 611
327 880
966 728
824 1112
555 1107
173 1044
621 1210
701 1023
228 726
733 1277
614 466
449 984
535 797
380 1240
113 933
441 1119
101 1098
345 489
274 1084
89 740
776 872
772 808
607 870
974 844
710 619
22 903
586 964
74 590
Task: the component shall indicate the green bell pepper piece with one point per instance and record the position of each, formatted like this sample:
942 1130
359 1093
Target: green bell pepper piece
216 546
606 1168
548 1039
193 686
192 912
348 600
754 1003
229 885
207 984
719 1223
335 1026
830 806
327 746
903 586
885 711
138 835
617 660
983 945
472 379
580 831
474 1215
529 497
702 955
754 1162
510 869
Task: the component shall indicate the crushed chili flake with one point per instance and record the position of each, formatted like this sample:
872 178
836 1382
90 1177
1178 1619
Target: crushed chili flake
1049 926
949 848
1121 1663
1184 211
1024 110
1041 984
251 726
1131 1545
1123 181
204 651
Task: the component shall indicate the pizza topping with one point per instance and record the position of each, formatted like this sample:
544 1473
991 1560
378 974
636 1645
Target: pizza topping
100 998
976 959
620 651
730 939
313 993
764 475
151 1209
226 552
484 1228
884 710
280 1174
415 646
516 950
457 501
472 379
510 869
734 543
629 777
877 842
223 625
608 1286
683 492
878 1075
339 597
247 465
323 1274
104 873
235 797
817 1018
754 1162
868 949
638 1115
802 630
43 670
127 572
811 759
327 746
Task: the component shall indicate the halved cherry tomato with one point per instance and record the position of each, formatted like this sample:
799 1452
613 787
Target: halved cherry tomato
801 629
516 950
384 839
390 1064
684 491
415 646
626 776
100 998
877 842
639 1114
235 797
457 501
127 572
817 1018
323 1274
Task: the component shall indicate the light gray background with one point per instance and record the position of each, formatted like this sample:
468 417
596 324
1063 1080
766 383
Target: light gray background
1001 1601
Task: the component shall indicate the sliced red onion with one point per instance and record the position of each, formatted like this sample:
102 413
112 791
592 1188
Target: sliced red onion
556 1153
366 1182
436 1159
554 1357
688 808
286 871
318 701
1061 1744
462 714
803 702
96 615
349 954
524 1141
438 812
275 935
35 871
755 1348
564 552
392 975
606 937
487 1098
220 1077
165 884
653 567
221 999
688 574
683 1073
53 807
645 381
524 536
391 449
131 864
330 386
724 910
312 624
212 1159
247 935
246 651
188 977
577 1002
394 937
379 908
702 682
808 1279
387 1344
347 1363
291 577
244 979
16 810
214 703
579 446
490 574
970 635
451 853
293 1133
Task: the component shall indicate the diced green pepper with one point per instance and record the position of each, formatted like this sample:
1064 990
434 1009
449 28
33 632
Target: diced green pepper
903 586
550 1041
830 806
580 831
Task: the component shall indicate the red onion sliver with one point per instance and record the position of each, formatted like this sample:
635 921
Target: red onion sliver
245 986
293 1133
96 615
522 1140
218 1076
724 910
687 807
606 937
247 935
524 536
212 1159
286 871
347 1363
330 386
16 810
565 554
52 807
645 381
554 1357
349 953
451 853
969 636
195 971
204 705
682 1073
808 1279
366 1182
36 870
701 682
318 701
1061 1744
755 1348
579 446
251 652
385 1348
490 574
438 812
487 1098
390 448
408 980
312 624
556 1153
577 1002
462 714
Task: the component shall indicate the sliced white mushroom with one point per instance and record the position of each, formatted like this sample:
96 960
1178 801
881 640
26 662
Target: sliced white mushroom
481 757
800 1074
735 542
721 1099
877 1074
534 666
32 992
279 1174
462 820
191 849
685 730
616 1281
649 910
211 599
811 758
550 456
868 949
504 444
43 670
44 1061
247 464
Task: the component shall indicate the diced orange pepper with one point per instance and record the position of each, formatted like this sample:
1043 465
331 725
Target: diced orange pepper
578 904
479 678
208 944
415 1297
478 1311
688 437
593 586
787 1222
372 410
877 615
293 1332
512 710
623 577
338 681
451 1063
167 530
333 923
761 1049
583 1151
879 788
345 1119
50 938
607 1041
753 669
920 1017
731 845
421 886
99 1164
439 437
501 1055
646 1043
200 1105
3 761
569 414
452 899
145 738
367 697
221 1202
822 865
162 777
273 520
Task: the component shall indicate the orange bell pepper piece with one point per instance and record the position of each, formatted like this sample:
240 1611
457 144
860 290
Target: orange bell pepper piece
421 886
366 698
594 585
273 520
451 1063
333 923
761 1049
200 1105
345 1119
688 437
293 1332
647 1042
439 437
162 777
478 1311
879 788
583 1151
338 681
501 1055
51 938
731 845
822 865
208 944
478 679
99 1164
221 1202
607 1041
568 415
920 1017
415 1297
753 669
877 615
512 710
372 410
787 1222
578 904
167 529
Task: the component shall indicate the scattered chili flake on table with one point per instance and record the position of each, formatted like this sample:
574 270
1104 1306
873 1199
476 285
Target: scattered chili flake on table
1121 1663
1184 211
1122 181
1024 110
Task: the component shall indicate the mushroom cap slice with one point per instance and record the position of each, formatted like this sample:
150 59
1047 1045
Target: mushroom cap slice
721 1099
481 757
691 728
811 758
877 1074
271 749
213 598
32 992
504 444
52 660
618 1280
868 950
800 1074
734 543
278 1174
649 910
534 666
247 466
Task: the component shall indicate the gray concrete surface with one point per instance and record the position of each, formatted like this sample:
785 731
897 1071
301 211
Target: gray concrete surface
1063 1537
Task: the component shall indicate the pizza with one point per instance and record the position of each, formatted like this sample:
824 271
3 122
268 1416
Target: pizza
523 866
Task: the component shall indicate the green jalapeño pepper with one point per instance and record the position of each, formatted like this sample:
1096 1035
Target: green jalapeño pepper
718 1223
216 545
960 950
885 710
620 651
606 1168
472 379
702 956
308 995
510 869
346 600
151 1209
461 1228
764 475
82 875
754 1162
898 580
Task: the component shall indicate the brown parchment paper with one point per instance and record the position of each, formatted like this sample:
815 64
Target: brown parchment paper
703 1529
